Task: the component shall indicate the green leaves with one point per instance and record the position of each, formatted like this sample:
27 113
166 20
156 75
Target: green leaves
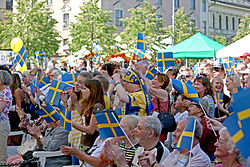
243 28
32 23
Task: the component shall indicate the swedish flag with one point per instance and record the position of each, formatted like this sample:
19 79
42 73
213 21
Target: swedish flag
162 69
239 88
48 113
186 139
238 123
141 42
97 58
13 60
65 118
108 125
165 59
227 69
40 54
196 70
185 89
219 97
43 81
139 52
21 56
69 78
53 96
150 73
119 114
218 59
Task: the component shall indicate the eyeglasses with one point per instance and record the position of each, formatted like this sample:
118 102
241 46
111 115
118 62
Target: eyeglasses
217 69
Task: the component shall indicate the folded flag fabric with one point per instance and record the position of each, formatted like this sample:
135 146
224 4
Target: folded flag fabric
48 113
150 73
185 89
196 70
13 61
141 42
108 125
97 58
239 121
165 59
53 96
65 118
21 56
40 55
69 78
186 139
239 88
190 82
219 97
119 114
139 52
227 69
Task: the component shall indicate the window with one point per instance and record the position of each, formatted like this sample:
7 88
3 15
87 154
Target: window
204 27
176 3
204 6
220 22
226 23
194 22
192 4
213 21
158 16
158 2
118 16
65 20
49 2
238 21
233 24
9 4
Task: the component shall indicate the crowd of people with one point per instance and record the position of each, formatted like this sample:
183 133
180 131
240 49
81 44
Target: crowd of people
109 86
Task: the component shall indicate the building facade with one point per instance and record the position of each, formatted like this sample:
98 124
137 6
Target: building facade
5 5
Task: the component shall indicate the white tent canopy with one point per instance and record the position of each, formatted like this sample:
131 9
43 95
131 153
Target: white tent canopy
235 49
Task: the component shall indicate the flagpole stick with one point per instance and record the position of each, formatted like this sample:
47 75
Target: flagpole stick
123 131
192 142
209 122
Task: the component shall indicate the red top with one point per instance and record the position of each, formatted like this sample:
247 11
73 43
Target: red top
164 105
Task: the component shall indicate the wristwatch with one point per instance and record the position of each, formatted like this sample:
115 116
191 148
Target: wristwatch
40 137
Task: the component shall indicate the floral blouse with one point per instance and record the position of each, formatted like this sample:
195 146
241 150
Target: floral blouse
6 96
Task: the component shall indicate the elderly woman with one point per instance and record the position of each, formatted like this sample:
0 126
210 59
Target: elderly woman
5 104
227 151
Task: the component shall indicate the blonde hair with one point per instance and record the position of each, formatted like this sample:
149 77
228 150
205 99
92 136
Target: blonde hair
219 78
236 80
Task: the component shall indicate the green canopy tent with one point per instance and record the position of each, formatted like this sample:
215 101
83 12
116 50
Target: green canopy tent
198 46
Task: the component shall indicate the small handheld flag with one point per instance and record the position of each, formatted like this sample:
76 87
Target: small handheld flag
141 42
186 89
97 58
139 52
165 59
108 125
196 70
219 97
53 96
150 73
65 118
69 78
48 113
186 139
40 55
21 56
43 81
119 114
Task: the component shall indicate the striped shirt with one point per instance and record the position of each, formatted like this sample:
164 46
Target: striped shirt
129 153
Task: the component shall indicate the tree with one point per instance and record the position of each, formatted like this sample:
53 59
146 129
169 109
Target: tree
221 39
34 25
243 29
144 20
92 24
183 27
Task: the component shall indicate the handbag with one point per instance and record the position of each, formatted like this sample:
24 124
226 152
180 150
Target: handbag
28 145
167 120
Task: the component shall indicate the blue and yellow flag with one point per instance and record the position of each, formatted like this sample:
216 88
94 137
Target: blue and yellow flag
150 73
163 69
141 42
196 70
13 61
238 123
165 59
43 81
186 139
69 78
97 58
119 114
48 113
186 89
219 60
40 55
21 56
190 82
65 118
139 52
108 125
227 69
219 97
239 88
53 96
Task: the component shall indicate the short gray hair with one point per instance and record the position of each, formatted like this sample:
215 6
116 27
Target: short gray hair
198 127
154 123
58 73
144 63
131 120
86 74
5 78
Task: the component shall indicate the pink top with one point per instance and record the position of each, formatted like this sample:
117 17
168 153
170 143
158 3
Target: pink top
220 165
5 95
